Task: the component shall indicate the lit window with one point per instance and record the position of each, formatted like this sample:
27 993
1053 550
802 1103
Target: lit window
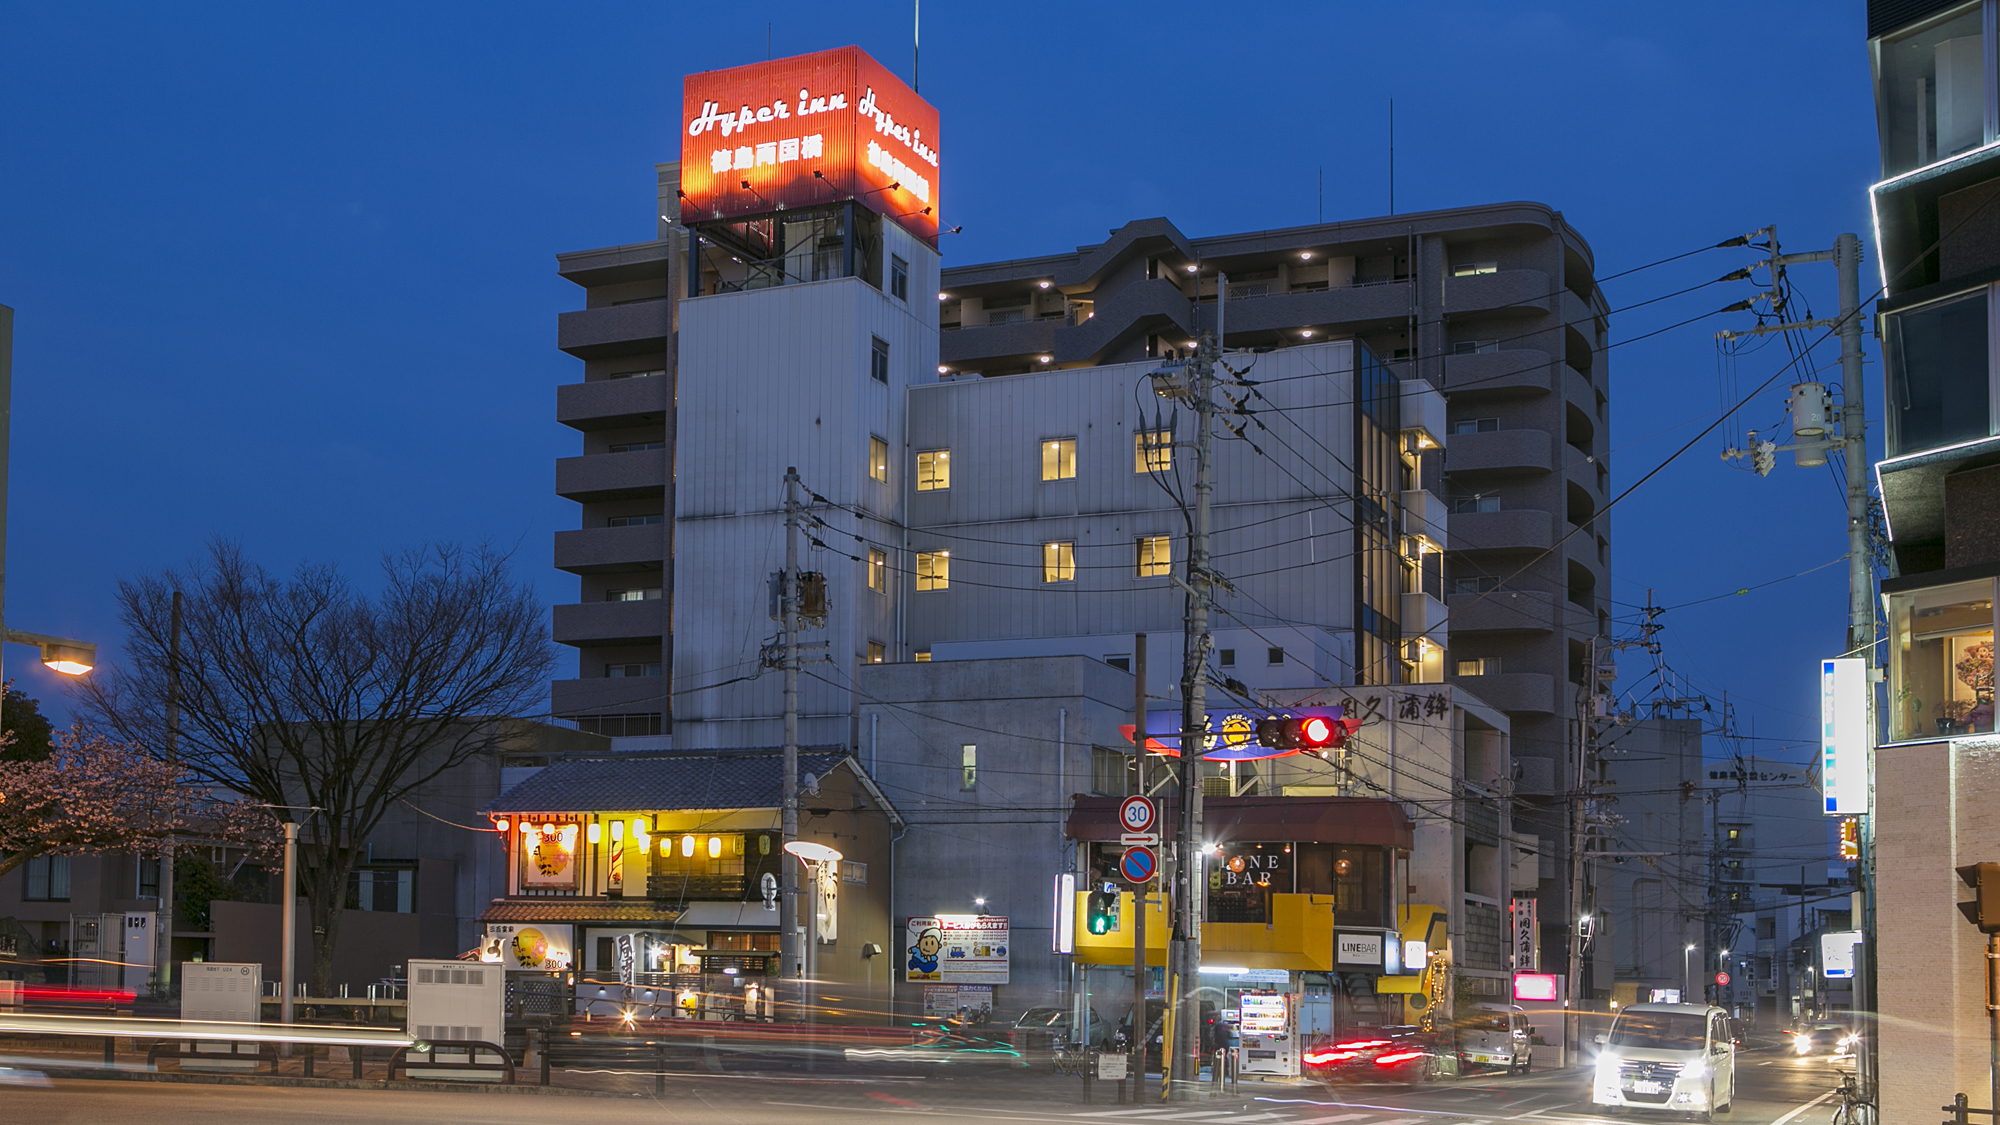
1153 451
933 570
878 360
1941 661
1483 666
934 470
1473 269
922 656
899 278
1156 556
878 460
968 756
876 652
1058 562
878 570
1059 459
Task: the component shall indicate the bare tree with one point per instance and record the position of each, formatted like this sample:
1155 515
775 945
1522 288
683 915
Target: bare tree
333 704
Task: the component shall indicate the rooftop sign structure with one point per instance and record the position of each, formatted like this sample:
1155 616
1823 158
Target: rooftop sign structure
804 131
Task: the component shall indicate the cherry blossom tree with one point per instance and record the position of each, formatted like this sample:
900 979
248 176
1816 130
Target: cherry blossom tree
93 794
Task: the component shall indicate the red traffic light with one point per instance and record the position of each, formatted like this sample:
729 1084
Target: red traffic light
1315 732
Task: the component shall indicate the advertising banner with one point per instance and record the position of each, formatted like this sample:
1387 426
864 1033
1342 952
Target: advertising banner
548 856
1843 720
957 949
529 947
1527 936
808 130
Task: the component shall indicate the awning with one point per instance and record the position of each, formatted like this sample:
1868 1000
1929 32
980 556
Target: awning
1364 821
603 910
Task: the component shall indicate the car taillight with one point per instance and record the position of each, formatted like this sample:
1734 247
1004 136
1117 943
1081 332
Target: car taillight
1360 1044
1399 1056
1321 1058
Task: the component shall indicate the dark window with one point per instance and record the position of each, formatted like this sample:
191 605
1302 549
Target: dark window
631 671
1468 504
1476 426
1122 663
1274 655
878 360
1938 382
633 521
899 278
45 878
1479 585
1228 661
637 446
149 878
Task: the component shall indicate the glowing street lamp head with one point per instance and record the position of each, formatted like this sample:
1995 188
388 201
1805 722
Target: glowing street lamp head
811 851
71 659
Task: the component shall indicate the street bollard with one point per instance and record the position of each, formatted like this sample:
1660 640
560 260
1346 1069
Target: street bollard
545 1056
660 1075
354 1053
110 1051
310 1052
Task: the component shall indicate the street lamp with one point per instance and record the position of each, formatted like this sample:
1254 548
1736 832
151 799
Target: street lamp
814 856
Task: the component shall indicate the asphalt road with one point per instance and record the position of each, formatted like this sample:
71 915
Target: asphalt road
1772 1089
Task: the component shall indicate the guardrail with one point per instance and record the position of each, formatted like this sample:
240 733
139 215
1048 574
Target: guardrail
181 1039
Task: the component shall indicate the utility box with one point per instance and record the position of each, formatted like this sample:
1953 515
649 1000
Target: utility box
457 1001
221 992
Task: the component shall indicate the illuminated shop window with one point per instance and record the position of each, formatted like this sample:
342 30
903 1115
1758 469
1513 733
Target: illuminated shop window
1941 661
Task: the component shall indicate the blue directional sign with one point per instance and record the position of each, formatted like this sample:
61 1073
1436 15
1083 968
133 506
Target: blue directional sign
1138 865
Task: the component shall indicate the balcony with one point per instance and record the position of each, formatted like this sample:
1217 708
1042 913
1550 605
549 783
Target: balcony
612 403
1423 616
642 326
1425 516
969 348
1149 306
609 697
1522 530
1423 414
675 887
1502 611
611 623
1524 293
1509 373
599 477
1520 451
608 550
1517 693
1285 312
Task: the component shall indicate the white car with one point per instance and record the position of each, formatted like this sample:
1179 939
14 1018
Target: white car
1497 1036
1674 1057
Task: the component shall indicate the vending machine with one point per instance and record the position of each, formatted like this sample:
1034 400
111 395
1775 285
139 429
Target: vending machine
1268 1024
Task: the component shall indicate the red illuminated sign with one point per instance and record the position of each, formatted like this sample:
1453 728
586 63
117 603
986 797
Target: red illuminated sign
1537 986
807 130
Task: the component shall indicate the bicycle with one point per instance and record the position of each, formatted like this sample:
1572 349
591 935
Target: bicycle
1853 1108
1072 1059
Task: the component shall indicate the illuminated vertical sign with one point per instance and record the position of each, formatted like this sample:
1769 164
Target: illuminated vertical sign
1843 737
1062 914
808 130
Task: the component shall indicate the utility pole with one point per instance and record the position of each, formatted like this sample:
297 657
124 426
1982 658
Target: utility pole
165 958
1186 964
1140 968
788 594
289 939
1811 450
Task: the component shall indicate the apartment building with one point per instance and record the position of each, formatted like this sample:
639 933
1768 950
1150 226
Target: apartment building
1473 557
1938 250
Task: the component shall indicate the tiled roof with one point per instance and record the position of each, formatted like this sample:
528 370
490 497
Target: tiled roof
682 779
577 910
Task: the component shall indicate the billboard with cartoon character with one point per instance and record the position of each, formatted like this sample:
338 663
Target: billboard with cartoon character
541 947
957 948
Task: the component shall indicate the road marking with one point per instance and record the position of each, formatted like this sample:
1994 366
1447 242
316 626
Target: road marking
1332 1119
1803 1108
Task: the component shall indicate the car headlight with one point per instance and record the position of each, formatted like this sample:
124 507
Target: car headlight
1802 1044
1695 1069
1607 1068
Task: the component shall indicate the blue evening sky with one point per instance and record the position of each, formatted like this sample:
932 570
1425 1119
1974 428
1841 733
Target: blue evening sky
286 273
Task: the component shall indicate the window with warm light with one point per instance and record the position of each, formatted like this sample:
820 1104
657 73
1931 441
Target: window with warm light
1474 269
1058 562
1480 666
1059 459
878 570
878 460
933 570
934 470
1152 451
1156 556
1941 661
877 652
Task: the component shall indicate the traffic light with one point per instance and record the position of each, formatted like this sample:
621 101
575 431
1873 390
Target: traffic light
1313 732
1101 913
1984 909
